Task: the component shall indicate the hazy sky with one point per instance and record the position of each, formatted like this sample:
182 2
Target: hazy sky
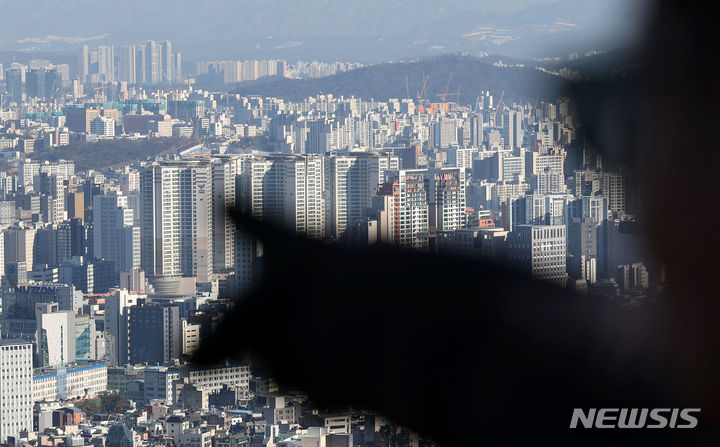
346 30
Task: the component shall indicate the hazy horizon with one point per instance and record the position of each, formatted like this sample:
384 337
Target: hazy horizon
369 31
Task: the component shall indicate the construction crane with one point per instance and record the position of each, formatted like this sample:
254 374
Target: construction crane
52 89
444 94
421 95
100 89
477 103
456 95
500 102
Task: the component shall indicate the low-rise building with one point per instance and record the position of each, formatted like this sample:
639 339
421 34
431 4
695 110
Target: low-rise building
69 383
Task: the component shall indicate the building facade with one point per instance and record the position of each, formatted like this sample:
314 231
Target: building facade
540 251
73 382
16 394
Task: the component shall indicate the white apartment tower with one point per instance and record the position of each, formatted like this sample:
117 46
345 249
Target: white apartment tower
106 62
168 62
84 64
224 172
150 63
16 402
286 190
126 68
350 184
176 220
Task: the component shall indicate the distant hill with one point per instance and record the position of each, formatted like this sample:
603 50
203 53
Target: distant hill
394 80
600 65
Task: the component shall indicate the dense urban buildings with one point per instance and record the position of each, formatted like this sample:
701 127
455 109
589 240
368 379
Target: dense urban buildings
114 271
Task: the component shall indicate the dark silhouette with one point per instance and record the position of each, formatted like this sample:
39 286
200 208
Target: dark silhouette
467 353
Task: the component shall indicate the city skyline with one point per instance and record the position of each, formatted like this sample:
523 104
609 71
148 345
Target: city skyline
374 224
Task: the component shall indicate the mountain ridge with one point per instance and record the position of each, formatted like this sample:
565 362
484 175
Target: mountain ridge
470 74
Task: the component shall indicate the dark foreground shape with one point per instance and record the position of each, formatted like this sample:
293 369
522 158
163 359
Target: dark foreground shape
467 353
457 350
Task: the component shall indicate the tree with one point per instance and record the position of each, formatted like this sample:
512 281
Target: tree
90 406
114 403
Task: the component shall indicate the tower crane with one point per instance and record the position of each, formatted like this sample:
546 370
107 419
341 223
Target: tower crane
500 103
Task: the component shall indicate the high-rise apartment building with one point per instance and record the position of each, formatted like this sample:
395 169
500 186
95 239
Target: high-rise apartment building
178 66
410 219
615 190
115 237
150 63
84 63
126 68
224 173
155 63
106 63
287 191
350 184
512 128
176 219
141 65
14 84
42 83
168 63
52 204
446 198
16 398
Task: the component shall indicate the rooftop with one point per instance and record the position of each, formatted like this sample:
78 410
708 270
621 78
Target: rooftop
13 341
